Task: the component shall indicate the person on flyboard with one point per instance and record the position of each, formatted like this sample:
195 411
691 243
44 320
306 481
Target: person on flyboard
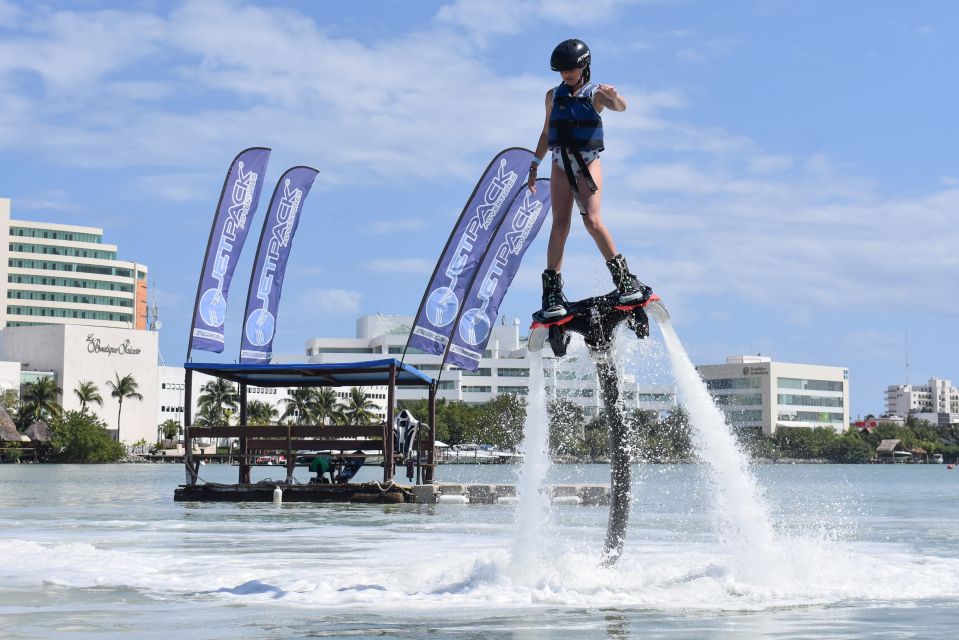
573 132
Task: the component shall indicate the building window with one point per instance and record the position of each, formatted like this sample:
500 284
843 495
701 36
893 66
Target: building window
516 372
738 399
736 416
809 385
516 391
810 416
808 401
719 384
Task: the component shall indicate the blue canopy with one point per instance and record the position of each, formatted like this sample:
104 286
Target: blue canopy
369 373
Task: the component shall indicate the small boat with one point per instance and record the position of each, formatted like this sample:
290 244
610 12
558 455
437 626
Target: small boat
479 454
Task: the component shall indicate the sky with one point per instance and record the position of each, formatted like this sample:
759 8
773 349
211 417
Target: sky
785 175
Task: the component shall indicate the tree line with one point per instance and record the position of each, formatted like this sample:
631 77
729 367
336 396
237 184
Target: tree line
219 403
77 436
668 436
573 435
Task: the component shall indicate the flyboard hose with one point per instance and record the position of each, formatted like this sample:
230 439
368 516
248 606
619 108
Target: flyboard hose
596 319
619 458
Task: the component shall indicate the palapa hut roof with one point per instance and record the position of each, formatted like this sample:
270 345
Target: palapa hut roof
919 451
39 431
889 446
8 430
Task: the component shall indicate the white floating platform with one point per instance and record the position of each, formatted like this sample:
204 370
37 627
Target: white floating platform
461 493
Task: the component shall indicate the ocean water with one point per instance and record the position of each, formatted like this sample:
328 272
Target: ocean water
103 551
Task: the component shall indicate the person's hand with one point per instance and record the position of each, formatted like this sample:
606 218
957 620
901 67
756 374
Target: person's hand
608 91
531 181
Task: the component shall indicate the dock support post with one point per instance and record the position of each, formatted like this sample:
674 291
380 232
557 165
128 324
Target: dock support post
431 441
244 459
389 469
191 472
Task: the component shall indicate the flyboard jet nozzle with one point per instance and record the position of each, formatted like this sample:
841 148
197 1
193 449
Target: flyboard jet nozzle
595 319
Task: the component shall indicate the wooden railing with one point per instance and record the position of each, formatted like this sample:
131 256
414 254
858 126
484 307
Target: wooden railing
301 437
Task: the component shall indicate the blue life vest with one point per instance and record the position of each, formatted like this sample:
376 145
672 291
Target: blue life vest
574 122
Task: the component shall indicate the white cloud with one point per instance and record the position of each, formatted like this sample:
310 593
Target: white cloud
769 163
361 119
485 19
49 200
73 51
338 302
9 13
416 266
703 51
178 187
704 209
812 237
398 226
168 301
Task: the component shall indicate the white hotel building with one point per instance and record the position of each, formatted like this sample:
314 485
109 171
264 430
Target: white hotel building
937 402
66 274
73 311
755 392
504 368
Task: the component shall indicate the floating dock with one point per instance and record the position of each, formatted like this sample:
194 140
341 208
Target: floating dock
386 493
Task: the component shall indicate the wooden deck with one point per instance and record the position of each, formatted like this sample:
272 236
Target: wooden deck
368 492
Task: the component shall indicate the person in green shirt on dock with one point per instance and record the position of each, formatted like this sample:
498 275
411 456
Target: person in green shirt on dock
321 466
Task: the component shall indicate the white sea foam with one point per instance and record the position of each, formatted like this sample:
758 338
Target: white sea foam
740 510
532 510
651 576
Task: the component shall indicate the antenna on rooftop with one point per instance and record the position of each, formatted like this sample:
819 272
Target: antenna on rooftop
907 355
153 322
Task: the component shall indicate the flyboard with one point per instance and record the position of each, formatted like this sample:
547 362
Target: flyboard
596 319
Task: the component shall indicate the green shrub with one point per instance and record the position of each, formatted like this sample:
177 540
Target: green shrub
83 437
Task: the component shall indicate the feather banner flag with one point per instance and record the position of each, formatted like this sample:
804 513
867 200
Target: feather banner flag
269 266
465 249
237 205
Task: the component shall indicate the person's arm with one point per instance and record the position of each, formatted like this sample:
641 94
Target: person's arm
542 145
607 96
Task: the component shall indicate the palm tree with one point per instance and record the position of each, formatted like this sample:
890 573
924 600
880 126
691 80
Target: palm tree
205 417
260 412
88 392
125 387
217 398
328 407
359 407
169 429
40 400
302 404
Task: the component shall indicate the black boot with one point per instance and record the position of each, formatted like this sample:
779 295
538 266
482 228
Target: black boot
631 290
553 299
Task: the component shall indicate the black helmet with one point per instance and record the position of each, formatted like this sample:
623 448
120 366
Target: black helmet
569 54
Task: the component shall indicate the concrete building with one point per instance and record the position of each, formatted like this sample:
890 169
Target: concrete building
756 392
504 368
937 402
66 274
72 354
9 376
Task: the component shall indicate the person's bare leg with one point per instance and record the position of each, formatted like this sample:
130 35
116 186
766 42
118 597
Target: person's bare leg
561 196
593 219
